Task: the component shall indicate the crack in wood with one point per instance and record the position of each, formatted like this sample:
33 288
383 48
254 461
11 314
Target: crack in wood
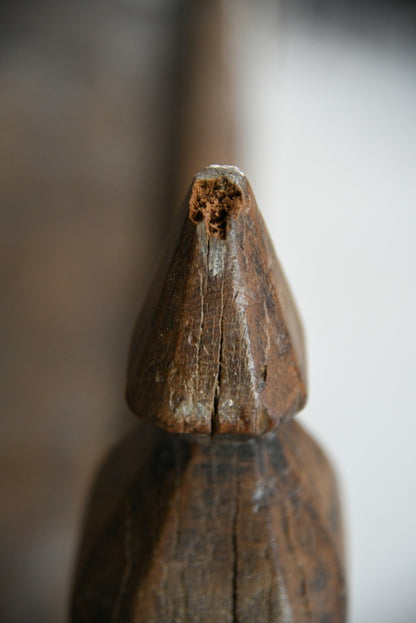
202 289
215 415
235 550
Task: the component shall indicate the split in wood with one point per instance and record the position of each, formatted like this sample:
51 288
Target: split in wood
239 522
219 346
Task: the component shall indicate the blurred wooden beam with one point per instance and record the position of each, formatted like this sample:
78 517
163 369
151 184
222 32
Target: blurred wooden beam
205 124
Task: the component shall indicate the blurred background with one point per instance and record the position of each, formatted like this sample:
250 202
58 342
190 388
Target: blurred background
103 108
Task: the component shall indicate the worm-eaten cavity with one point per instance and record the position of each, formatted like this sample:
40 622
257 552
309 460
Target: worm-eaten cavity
215 201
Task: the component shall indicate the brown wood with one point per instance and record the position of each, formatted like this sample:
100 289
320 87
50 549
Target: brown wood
206 123
239 522
223 352
218 531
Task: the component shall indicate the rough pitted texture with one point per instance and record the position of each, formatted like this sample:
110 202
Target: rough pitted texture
214 201
218 347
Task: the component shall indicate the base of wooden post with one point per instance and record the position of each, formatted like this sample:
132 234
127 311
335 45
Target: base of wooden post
212 530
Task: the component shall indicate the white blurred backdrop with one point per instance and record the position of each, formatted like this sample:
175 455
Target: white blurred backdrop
330 149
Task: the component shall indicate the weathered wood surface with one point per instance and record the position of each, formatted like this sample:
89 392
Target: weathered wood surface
213 531
218 347
238 521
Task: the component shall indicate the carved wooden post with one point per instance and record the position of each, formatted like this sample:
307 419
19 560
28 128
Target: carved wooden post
226 510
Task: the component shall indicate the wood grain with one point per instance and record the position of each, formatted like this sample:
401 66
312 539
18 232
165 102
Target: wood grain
227 511
218 347
213 531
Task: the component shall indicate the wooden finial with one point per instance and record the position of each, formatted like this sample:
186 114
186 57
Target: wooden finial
219 346
217 528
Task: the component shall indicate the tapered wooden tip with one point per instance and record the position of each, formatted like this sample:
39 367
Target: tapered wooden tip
218 347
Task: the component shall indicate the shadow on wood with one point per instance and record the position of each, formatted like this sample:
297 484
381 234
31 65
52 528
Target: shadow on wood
221 530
